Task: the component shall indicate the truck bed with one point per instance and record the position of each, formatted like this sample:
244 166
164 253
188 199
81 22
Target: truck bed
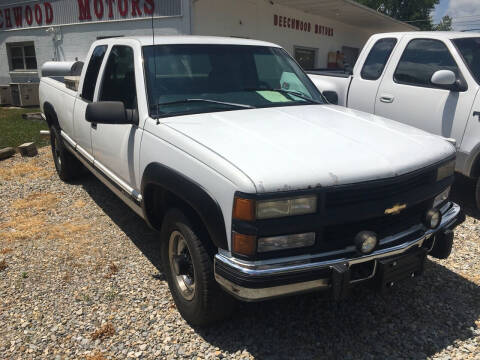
62 99
332 81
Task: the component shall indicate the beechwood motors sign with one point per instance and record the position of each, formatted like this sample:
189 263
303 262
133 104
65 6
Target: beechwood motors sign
62 12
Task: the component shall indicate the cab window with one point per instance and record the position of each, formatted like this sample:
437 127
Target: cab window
377 59
119 77
92 72
421 59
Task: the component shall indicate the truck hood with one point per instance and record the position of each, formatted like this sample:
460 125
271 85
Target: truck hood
299 147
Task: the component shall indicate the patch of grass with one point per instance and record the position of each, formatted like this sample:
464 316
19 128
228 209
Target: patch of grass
38 201
103 332
95 356
26 170
14 130
24 275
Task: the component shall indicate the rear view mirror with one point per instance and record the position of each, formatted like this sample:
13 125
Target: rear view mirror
444 78
110 112
331 96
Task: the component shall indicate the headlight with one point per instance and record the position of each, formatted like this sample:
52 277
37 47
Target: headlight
285 242
268 209
442 197
446 170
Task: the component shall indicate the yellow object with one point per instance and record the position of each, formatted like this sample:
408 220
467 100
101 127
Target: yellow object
273 96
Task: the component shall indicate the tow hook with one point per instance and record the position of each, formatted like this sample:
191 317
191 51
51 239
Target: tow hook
443 244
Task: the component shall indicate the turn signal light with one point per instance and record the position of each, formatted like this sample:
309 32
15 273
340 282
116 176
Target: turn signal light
244 244
244 209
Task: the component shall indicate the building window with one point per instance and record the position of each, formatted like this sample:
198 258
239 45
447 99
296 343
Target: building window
22 56
306 57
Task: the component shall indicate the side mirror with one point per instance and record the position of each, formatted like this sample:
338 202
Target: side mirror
331 96
110 112
444 78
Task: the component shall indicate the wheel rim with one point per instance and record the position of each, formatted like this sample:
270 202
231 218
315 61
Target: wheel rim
185 283
56 153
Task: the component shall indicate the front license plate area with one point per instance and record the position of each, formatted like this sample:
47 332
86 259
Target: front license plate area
397 268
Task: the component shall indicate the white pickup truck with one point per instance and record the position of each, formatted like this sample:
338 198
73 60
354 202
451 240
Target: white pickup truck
429 80
258 187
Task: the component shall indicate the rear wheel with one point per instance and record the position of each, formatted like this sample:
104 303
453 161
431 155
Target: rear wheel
477 194
67 166
189 271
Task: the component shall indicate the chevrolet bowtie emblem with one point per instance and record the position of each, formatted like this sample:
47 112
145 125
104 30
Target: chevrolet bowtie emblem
395 209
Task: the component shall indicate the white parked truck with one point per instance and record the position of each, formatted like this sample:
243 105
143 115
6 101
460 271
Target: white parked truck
257 186
429 80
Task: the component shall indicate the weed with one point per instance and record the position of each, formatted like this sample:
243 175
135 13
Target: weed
24 275
112 270
5 251
105 331
96 356
112 293
3 265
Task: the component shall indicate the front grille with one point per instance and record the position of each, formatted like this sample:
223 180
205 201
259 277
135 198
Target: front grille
335 237
373 191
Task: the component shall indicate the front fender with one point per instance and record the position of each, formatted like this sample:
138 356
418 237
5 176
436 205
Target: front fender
206 207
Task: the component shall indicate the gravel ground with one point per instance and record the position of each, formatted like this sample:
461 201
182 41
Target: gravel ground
80 279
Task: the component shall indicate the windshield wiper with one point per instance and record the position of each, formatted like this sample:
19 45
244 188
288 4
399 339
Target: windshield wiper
184 101
289 92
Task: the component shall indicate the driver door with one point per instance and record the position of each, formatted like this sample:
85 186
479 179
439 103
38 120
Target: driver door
116 146
407 95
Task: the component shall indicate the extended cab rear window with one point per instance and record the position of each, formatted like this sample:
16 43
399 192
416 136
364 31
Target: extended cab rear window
92 72
378 58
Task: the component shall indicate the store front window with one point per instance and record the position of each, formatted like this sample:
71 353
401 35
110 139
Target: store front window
22 56
305 57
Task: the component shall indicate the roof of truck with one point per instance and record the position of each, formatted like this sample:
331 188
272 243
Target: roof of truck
185 39
433 34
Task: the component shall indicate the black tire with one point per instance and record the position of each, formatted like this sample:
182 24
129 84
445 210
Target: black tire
68 167
208 303
477 194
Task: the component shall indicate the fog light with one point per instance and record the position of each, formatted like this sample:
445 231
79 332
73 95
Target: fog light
366 242
433 218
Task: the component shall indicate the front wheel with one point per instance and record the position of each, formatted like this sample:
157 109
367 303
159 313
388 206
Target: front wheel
189 271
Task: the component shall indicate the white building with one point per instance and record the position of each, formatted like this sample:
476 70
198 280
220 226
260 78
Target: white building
33 32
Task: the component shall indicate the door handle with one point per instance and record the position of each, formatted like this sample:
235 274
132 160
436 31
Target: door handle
94 126
476 113
388 99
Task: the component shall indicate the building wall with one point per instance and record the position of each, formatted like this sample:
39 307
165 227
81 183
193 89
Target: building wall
255 19
73 41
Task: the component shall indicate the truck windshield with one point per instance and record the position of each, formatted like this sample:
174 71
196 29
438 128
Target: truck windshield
470 50
190 78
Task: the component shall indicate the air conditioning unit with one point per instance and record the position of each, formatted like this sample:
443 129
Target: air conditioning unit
5 95
24 94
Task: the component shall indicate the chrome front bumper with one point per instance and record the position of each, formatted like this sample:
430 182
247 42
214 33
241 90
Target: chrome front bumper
254 281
